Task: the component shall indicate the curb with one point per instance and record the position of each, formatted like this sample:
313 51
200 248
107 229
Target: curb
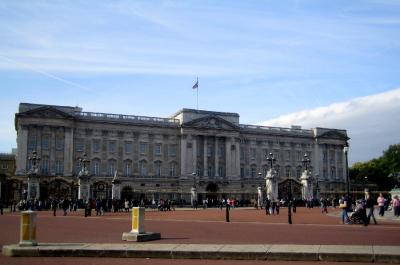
335 253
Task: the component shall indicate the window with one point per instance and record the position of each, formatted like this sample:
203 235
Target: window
324 155
143 148
265 154
111 147
127 168
253 171
32 142
298 172
96 168
79 145
287 155
333 172
128 147
288 172
209 150
253 153
277 155
111 167
4 166
157 149
242 172
332 156
210 171
340 173
221 171
172 170
96 146
172 150
59 167
142 168
45 165
299 156
241 153
157 168
59 143
264 171
45 142
221 151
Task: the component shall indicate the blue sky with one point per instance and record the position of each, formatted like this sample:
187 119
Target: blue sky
261 59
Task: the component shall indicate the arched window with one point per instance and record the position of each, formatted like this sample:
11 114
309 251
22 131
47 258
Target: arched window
143 168
45 165
112 167
127 168
253 171
172 169
157 168
96 167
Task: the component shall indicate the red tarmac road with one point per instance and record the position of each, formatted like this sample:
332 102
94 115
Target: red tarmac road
247 226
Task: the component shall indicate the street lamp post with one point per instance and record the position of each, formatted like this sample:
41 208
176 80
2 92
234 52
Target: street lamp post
83 182
346 150
33 178
193 191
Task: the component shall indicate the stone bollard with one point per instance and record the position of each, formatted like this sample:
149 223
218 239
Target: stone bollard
28 229
137 233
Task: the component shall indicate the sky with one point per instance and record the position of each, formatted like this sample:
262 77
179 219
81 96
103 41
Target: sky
312 63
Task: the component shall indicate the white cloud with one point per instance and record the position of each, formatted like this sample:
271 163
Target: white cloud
372 122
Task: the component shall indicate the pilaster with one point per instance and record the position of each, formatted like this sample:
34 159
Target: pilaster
68 151
22 143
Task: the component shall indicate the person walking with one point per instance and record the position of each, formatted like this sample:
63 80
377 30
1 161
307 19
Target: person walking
54 206
381 204
344 205
369 204
396 205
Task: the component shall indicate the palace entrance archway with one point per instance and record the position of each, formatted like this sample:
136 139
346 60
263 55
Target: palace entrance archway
289 185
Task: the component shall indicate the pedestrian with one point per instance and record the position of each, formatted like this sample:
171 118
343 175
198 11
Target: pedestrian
277 206
344 205
381 204
1 207
65 206
396 205
126 204
324 205
369 204
54 206
267 206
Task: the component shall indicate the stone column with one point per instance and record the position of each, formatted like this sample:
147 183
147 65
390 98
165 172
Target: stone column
216 166
236 173
194 159
183 155
205 156
260 197
228 158
22 143
68 151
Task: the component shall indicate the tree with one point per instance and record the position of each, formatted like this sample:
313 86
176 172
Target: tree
379 171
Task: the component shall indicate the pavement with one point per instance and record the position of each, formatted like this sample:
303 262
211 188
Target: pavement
204 234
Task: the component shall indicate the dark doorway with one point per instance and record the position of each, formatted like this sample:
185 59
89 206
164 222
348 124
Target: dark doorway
127 193
212 194
289 185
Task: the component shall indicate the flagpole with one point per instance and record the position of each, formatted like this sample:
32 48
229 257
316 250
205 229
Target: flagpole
197 93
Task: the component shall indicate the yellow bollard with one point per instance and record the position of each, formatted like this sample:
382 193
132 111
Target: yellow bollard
137 233
28 229
138 220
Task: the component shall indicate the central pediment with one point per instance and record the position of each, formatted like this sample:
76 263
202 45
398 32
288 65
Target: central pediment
334 135
45 112
211 122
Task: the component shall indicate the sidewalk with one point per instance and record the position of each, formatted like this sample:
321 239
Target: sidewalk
333 253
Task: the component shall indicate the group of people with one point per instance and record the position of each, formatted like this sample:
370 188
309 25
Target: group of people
364 209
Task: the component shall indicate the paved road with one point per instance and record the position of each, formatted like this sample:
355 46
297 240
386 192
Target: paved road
201 226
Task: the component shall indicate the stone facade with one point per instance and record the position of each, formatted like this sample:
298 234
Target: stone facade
166 157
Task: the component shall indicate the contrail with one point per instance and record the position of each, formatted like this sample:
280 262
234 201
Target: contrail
45 73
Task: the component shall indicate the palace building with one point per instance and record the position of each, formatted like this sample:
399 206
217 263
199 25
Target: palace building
164 157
